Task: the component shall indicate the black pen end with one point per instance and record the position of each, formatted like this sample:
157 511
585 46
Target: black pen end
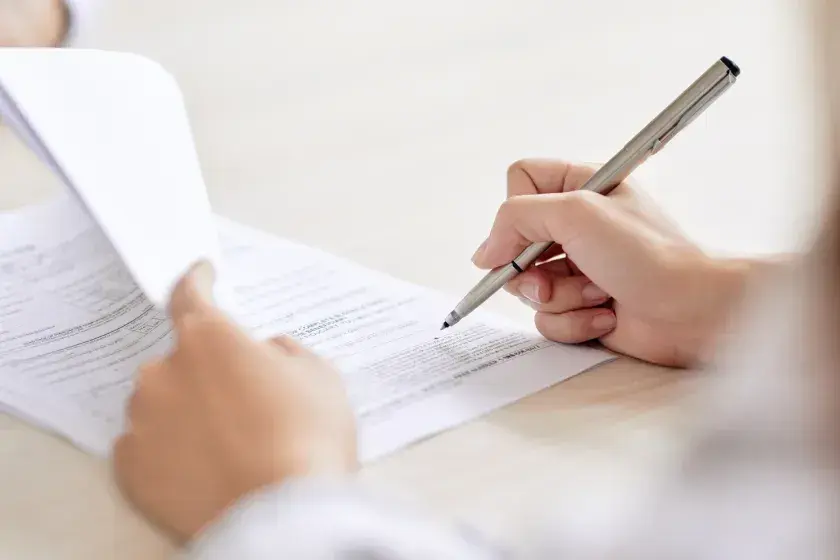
445 326
732 66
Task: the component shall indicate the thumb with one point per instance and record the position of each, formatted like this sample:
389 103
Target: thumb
194 292
523 220
288 345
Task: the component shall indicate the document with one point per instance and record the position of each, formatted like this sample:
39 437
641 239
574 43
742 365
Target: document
74 328
113 127
85 279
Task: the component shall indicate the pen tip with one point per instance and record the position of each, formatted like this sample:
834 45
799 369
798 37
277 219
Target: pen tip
445 326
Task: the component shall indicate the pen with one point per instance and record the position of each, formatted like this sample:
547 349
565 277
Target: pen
649 141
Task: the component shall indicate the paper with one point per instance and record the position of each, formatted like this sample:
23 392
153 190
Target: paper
83 281
75 327
114 128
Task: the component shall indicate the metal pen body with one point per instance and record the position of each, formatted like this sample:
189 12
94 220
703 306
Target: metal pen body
661 130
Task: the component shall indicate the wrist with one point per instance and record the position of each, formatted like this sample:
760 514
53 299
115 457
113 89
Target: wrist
722 287
312 458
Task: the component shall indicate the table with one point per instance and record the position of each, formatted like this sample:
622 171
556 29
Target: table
60 503
403 116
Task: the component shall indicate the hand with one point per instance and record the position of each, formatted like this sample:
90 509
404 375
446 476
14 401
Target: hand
225 415
32 23
630 279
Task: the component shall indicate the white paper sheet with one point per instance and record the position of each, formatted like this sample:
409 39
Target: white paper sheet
75 327
114 128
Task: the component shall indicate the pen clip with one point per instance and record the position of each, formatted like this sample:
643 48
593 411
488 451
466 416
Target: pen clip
693 111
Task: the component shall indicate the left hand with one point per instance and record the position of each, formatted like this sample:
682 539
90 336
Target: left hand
32 23
225 415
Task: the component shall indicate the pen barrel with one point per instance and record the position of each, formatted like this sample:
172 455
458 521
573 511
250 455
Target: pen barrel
531 253
492 282
693 101
663 128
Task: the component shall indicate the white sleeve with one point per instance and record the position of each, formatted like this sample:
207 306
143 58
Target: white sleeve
310 520
80 13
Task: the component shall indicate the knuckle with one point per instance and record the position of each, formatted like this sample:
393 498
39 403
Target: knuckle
512 207
567 293
580 202
516 168
562 327
505 208
578 209
503 214
198 330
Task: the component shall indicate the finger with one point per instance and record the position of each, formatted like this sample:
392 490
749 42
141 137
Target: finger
194 292
560 294
288 345
535 283
209 340
524 220
135 402
575 326
123 463
557 268
542 176
130 470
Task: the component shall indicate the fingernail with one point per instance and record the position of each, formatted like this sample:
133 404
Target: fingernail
594 294
204 276
530 291
603 322
529 303
480 251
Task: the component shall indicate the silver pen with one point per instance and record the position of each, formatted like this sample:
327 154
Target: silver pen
650 140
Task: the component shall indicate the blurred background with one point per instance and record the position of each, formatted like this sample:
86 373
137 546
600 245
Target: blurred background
382 130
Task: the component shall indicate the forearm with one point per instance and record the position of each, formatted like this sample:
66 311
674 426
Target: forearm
315 519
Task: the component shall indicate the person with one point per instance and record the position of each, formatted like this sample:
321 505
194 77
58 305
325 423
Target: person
246 449
40 23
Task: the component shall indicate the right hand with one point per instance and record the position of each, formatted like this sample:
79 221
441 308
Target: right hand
631 279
